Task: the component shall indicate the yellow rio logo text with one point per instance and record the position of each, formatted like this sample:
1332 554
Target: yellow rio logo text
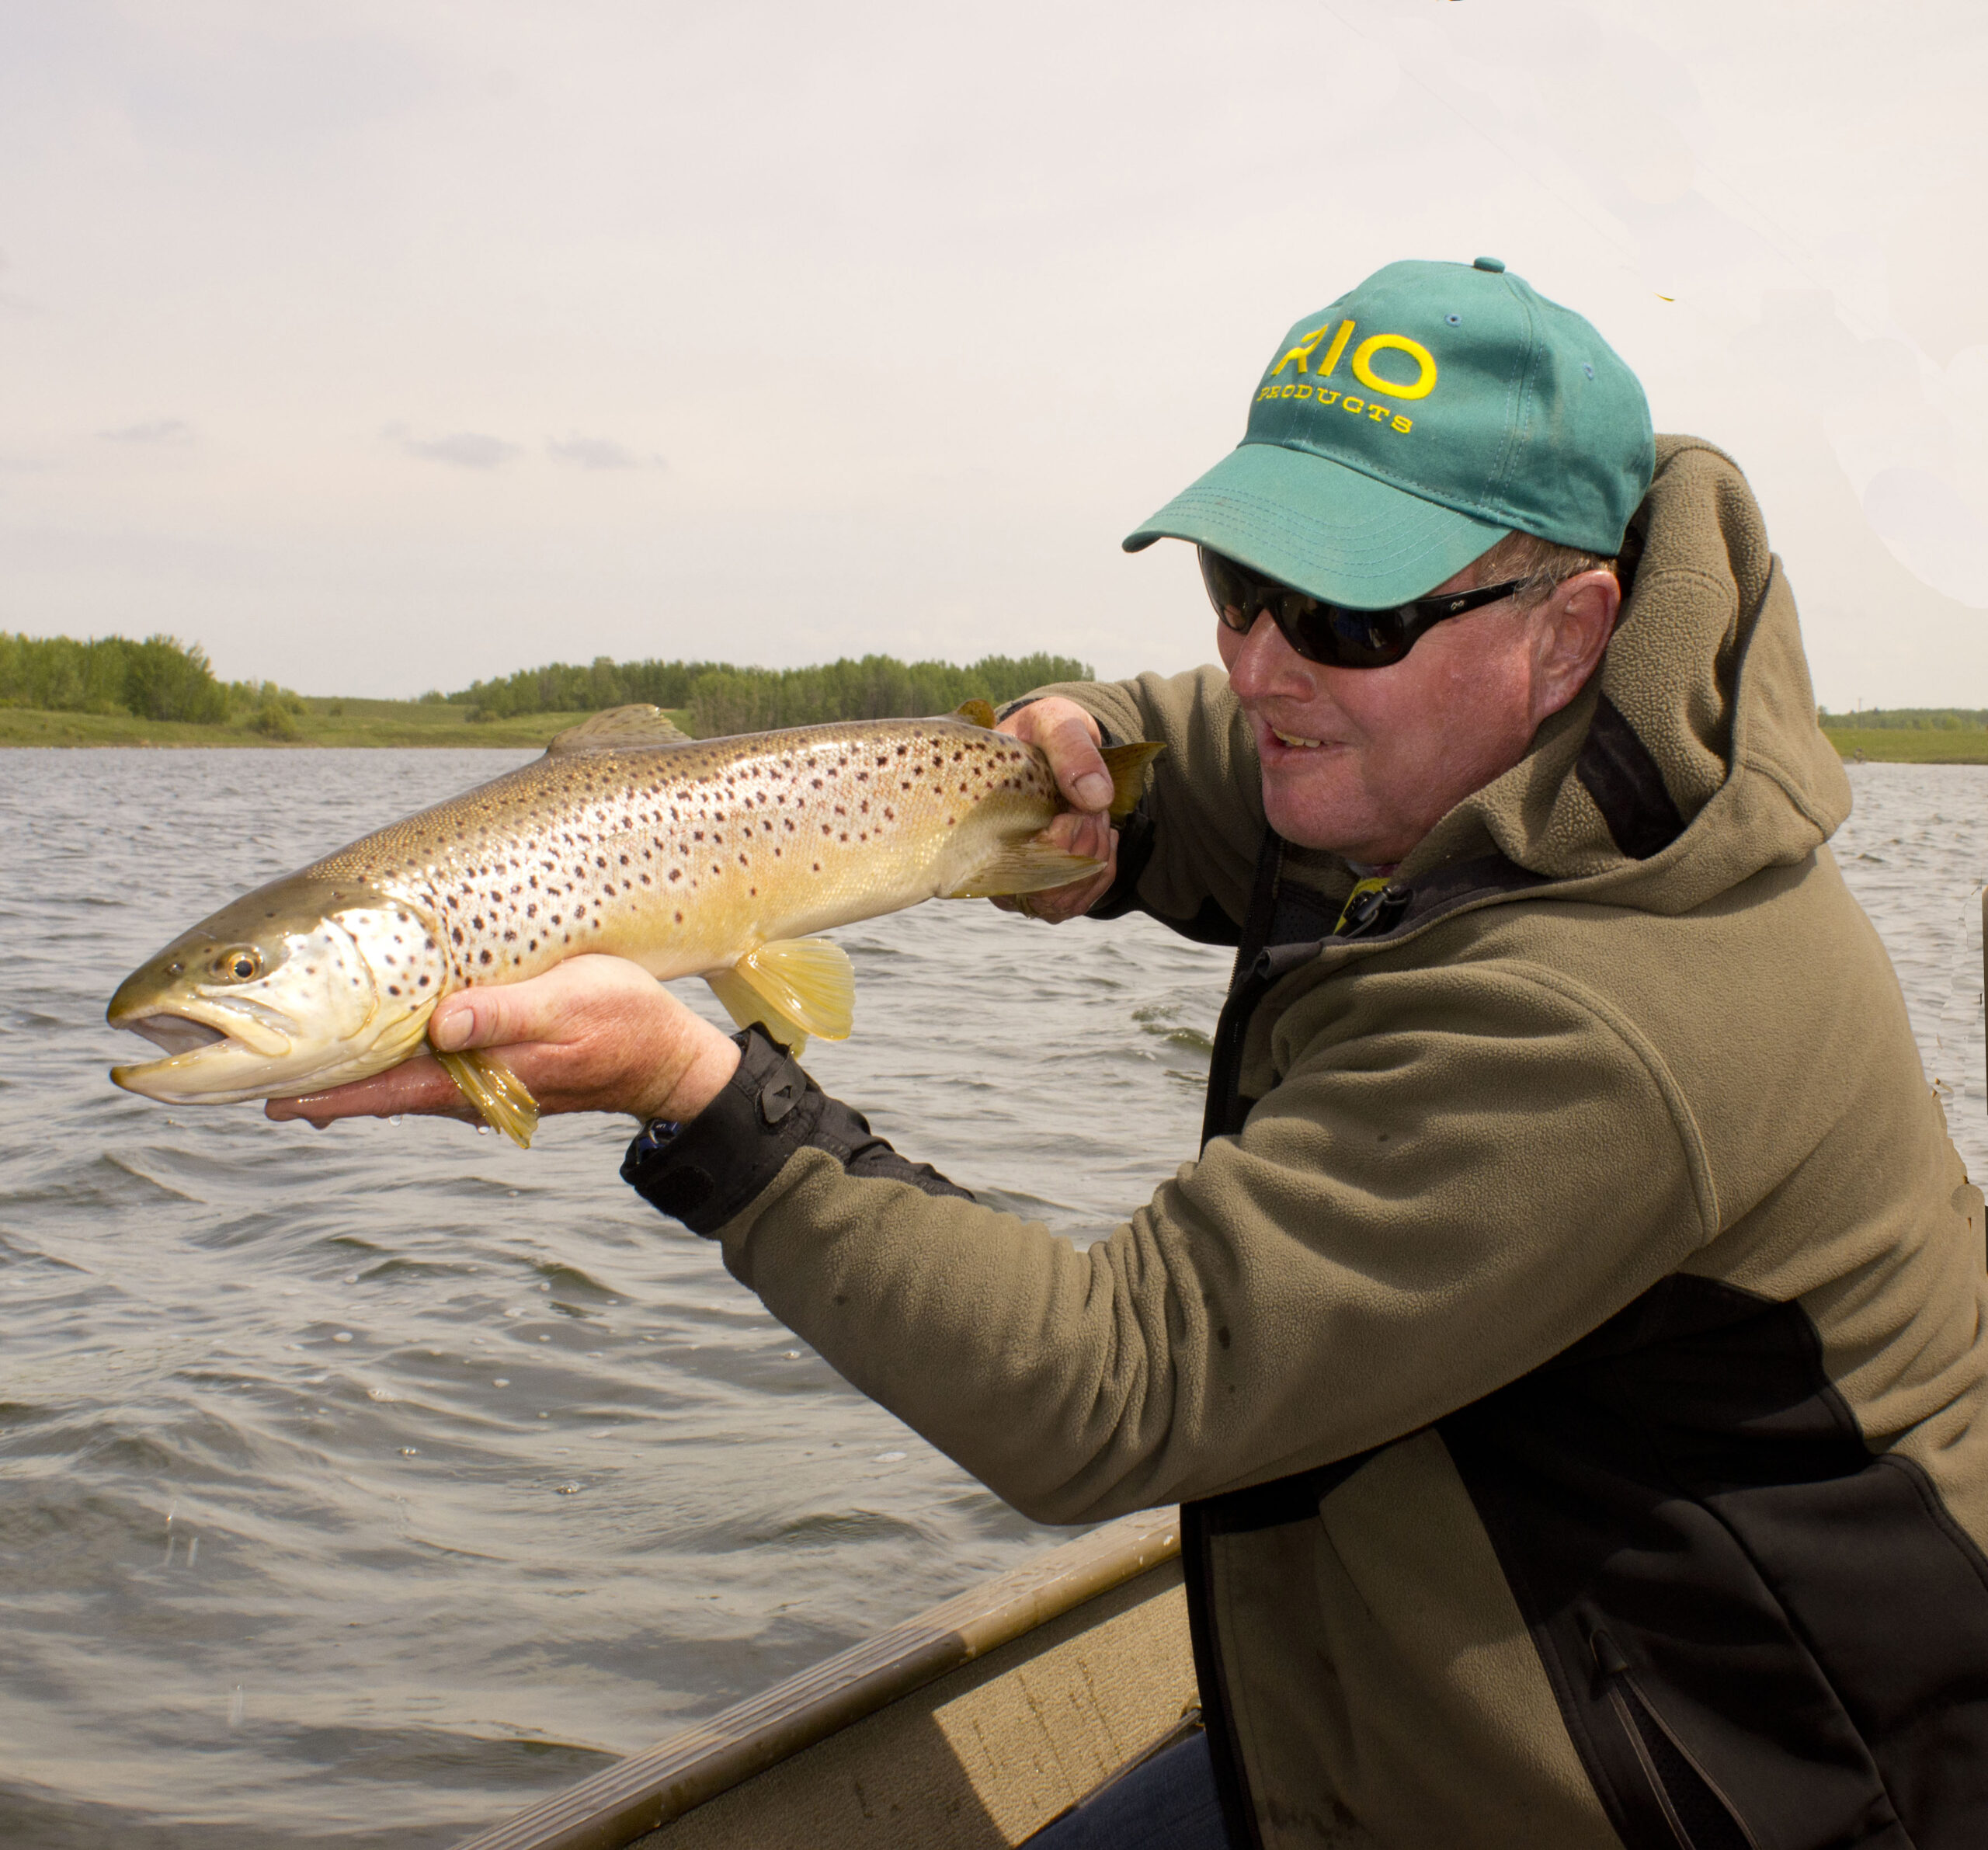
1419 387
1312 386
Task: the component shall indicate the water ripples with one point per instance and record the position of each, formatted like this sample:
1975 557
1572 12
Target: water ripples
360 1486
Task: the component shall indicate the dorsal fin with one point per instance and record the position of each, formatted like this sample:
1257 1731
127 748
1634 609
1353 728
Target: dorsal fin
619 729
975 712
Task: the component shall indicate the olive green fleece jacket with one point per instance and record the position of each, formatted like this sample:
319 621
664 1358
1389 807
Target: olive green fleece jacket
1596 1215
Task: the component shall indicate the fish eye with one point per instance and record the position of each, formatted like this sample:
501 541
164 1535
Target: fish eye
240 965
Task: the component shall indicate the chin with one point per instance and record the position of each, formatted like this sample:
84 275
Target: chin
1308 813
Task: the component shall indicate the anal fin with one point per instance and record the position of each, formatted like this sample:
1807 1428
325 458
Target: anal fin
1029 866
504 1099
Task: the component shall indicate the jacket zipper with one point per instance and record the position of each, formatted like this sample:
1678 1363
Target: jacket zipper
1626 1698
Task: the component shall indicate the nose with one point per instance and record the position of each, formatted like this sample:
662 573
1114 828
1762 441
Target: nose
1265 665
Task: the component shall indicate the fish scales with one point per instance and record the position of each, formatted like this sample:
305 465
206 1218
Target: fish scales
717 858
677 858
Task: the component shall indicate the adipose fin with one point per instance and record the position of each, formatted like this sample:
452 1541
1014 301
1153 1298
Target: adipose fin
1127 763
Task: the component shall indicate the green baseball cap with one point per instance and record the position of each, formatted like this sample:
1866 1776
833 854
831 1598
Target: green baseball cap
1401 432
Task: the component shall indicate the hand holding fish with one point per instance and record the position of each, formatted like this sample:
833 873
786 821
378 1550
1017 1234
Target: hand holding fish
1069 738
594 1033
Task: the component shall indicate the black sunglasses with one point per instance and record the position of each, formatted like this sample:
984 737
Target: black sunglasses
1337 635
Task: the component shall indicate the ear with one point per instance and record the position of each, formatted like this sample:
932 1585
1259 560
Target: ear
1574 625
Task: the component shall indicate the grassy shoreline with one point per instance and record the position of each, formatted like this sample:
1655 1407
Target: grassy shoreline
363 722
325 722
1901 745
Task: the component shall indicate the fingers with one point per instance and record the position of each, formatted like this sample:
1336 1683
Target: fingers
418 1088
1077 833
1068 737
505 1013
595 1034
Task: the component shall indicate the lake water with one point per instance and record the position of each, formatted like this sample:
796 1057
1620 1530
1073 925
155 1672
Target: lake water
357 1488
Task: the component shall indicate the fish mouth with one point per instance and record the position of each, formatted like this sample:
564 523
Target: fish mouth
202 1054
176 1033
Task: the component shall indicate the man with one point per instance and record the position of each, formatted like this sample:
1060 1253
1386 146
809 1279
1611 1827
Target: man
1568 1348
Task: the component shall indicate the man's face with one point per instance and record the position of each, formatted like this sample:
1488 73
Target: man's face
1365 761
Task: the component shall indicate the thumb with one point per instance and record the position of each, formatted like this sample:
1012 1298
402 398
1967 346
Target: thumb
492 1017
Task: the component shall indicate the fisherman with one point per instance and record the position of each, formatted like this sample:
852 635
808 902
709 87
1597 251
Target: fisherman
1567 1349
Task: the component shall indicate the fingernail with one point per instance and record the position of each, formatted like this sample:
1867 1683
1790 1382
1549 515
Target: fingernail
1093 790
452 1031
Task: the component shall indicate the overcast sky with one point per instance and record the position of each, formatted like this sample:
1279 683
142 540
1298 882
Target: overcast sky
377 347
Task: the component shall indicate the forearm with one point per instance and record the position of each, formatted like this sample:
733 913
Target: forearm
1309 1289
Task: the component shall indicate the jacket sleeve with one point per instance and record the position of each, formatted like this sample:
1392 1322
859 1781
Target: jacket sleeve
1458 1173
1188 854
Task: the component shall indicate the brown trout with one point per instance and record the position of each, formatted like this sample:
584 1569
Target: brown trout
718 857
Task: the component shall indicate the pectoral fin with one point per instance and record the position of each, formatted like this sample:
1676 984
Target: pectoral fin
1024 866
794 987
495 1090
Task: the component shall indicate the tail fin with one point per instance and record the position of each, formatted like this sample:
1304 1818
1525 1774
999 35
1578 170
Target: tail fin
1127 763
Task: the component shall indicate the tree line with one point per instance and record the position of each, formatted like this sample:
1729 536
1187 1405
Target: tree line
161 678
719 698
1909 719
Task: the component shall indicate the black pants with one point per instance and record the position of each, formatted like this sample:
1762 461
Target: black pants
1168 1804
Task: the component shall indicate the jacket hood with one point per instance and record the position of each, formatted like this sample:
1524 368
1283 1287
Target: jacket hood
1692 760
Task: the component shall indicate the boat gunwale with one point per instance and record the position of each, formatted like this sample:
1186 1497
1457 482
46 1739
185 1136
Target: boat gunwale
623 1801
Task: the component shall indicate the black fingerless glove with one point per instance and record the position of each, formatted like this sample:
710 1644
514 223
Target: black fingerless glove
708 1171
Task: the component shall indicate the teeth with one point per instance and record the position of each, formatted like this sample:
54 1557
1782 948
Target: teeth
1288 738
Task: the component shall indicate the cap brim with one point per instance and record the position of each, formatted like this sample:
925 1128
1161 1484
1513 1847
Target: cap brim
1318 525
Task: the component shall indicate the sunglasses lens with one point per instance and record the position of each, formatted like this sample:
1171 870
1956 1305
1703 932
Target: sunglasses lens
1336 634
1237 595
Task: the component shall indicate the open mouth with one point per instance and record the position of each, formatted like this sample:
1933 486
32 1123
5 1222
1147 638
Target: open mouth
176 1033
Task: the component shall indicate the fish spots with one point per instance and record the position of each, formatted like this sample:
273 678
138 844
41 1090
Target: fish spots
483 956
